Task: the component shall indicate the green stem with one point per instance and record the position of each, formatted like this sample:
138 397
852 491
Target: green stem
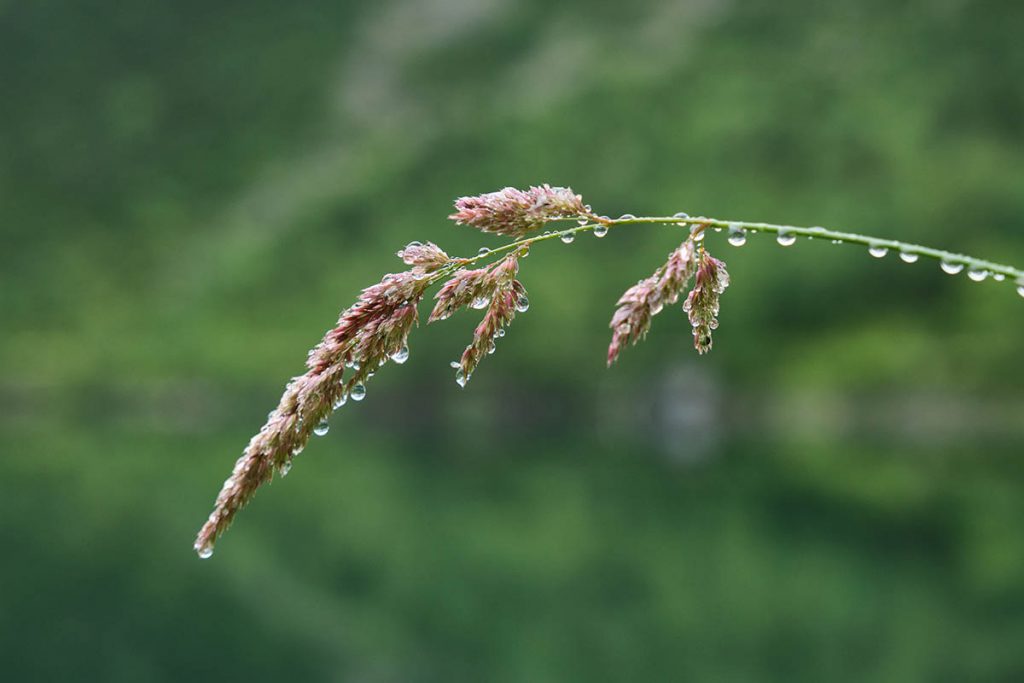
700 224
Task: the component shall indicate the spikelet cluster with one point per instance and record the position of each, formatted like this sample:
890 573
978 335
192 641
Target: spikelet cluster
370 332
702 304
515 212
644 300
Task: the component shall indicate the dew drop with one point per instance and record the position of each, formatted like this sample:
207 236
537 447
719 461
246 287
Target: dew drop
626 217
951 268
1020 290
878 251
737 236
977 274
568 238
908 257
285 468
461 378
998 277
479 302
401 355
322 428
522 304
455 365
483 251
341 400
358 392
500 332
414 244
837 241
786 239
581 222
600 230
697 232
206 552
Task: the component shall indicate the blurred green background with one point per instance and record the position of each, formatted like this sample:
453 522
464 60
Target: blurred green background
190 191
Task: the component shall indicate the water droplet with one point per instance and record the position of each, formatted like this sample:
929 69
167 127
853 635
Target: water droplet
581 222
837 241
951 268
492 348
500 332
455 365
878 251
401 355
1020 290
285 468
697 232
568 237
522 304
483 251
358 392
206 552
786 239
998 277
322 428
461 378
341 400
977 274
600 230
682 214
626 217
908 257
296 451
479 302
737 236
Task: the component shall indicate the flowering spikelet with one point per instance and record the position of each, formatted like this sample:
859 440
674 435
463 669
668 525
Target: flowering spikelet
465 288
367 334
703 302
426 258
645 299
506 298
515 212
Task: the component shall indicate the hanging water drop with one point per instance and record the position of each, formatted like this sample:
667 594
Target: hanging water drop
341 400
1020 290
998 277
786 239
206 552
414 244
483 251
581 222
908 257
500 332
878 251
285 468
479 302
401 355
568 237
358 392
461 378
600 230
977 274
322 428
951 268
522 304
455 365
737 236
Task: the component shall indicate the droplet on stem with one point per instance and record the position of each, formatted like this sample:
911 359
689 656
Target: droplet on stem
951 268
878 251
483 251
358 392
522 304
908 257
737 236
786 239
206 552
322 428
568 237
977 274
600 230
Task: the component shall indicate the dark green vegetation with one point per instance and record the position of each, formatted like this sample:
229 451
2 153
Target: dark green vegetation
189 193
